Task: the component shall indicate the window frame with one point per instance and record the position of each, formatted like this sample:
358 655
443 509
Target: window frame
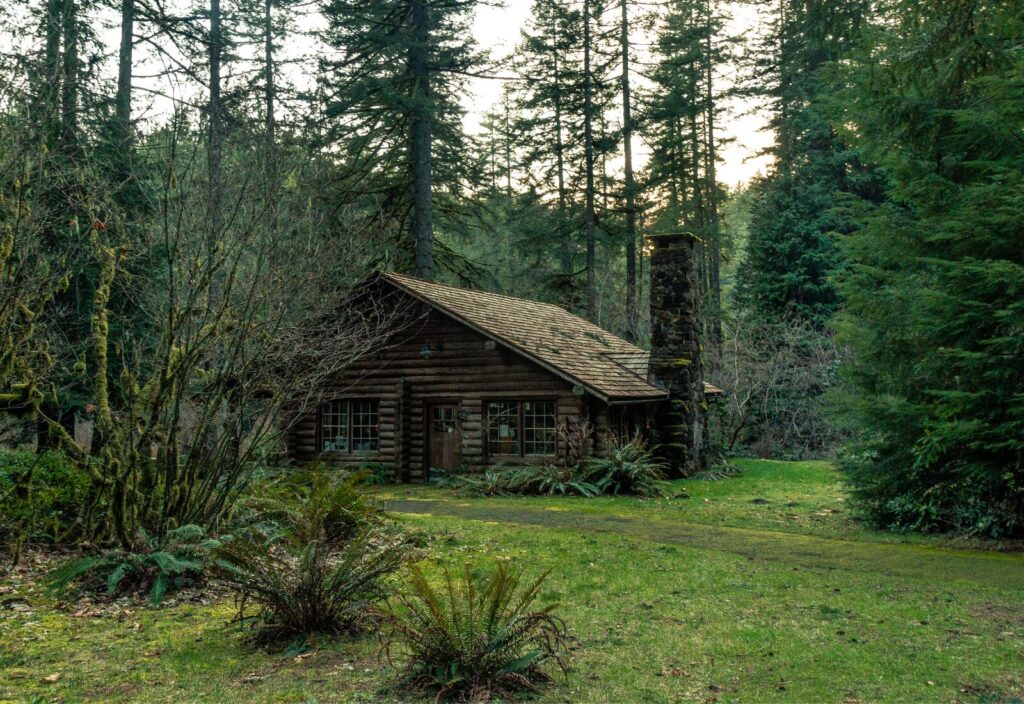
349 411
520 452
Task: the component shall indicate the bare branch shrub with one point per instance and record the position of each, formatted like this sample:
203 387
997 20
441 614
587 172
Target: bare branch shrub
241 323
774 376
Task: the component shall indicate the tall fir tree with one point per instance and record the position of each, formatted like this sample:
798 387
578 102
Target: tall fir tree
393 87
567 84
677 122
935 291
550 104
792 254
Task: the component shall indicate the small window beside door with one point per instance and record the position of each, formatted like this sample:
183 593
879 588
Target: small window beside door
521 428
350 426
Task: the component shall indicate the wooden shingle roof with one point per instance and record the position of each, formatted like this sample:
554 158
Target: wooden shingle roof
579 351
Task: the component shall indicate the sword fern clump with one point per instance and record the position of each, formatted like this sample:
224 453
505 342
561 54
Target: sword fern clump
473 637
157 565
314 559
628 468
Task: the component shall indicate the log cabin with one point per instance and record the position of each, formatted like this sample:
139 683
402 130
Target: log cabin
470 379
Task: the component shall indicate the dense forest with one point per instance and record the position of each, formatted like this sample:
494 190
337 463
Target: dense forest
187 188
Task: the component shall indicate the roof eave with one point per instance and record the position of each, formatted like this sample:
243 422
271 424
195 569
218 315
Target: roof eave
625 400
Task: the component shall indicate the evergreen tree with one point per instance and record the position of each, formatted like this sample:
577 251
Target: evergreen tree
792 253
629 186
394 116
565 63
680 111
550 105
935 292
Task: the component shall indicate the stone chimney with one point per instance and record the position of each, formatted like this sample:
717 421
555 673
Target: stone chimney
676 350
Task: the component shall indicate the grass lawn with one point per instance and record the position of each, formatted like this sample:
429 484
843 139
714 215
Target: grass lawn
792 497
756 588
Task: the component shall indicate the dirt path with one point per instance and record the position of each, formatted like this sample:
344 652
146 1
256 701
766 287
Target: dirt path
1004 571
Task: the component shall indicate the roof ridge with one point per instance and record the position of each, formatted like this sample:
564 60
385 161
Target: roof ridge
396 275
477 290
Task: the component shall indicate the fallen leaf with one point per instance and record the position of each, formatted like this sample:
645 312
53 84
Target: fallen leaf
674 672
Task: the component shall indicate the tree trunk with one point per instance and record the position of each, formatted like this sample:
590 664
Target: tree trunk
563 233
270 121
588 149
676 189
123 100
508 153
216 129
49 88
269 93
714 236
630 184
423 229
69 93
696 184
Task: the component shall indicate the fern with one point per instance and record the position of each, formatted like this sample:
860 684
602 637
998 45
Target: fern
473 638
159 565
629 468
306 503
317 567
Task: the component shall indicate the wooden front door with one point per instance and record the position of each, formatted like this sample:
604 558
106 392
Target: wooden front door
444 437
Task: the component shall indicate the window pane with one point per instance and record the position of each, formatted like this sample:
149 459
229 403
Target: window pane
365 426
334 426
539 427
443 419
503 427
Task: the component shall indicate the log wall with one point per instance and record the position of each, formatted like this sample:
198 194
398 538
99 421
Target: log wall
463 366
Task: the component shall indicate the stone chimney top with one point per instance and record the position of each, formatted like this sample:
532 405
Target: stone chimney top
668 240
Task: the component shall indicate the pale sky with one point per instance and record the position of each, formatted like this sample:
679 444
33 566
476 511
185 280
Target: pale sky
498 29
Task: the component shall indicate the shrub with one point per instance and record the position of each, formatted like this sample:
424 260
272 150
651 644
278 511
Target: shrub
628 468
510 480
309 505
489 482
550 480
893 492
306 588
474 637
775 376
378 473
40 495
159 566
315 563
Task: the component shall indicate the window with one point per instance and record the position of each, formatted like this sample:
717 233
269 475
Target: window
334 426
521 428
503 427
350 426
626 423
